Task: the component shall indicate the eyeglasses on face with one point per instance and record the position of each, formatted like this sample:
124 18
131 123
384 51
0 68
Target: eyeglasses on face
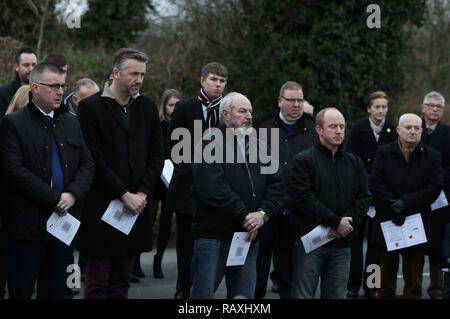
431 105
55 86
293 100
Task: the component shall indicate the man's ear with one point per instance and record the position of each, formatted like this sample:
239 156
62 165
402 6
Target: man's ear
16 67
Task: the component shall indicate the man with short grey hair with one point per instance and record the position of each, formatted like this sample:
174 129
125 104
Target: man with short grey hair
437 135
123 132
230 196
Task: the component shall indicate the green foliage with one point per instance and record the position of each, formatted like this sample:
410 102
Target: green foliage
113 23
324 45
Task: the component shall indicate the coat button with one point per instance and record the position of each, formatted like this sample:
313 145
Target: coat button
45 168
62 144
66 165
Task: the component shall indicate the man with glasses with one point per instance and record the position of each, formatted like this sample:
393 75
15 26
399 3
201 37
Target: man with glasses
296 133
46 167
437 135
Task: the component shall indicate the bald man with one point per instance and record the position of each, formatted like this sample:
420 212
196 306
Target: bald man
406 178
327 187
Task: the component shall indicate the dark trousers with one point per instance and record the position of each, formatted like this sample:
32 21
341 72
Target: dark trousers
358 269
44 262
165 223
107 277
277 237
185 248
412 262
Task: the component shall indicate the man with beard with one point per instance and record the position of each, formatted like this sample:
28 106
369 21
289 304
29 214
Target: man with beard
230 195
327 187
197 113
25 62
123 133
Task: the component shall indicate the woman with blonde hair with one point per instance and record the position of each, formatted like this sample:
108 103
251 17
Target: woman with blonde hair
19 100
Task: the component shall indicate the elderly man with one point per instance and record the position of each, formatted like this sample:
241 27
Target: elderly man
123 132
327 187
230 196
47 168
406 177
296 134
26 60
437 135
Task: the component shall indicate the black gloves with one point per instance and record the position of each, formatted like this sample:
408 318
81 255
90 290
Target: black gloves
398 206
399 219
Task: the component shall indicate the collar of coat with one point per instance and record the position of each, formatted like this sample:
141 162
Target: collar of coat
326 151
395 148
57 112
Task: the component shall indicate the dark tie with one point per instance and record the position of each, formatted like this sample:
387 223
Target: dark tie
211 116
429 130
57 173
247 162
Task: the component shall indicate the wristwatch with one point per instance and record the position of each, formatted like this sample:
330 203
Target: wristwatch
265 216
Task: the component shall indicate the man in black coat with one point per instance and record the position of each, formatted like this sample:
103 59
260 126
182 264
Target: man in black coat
327 187
437 135
25 62
193 116
232 193
46 168
295 133
405 179
123 133
365 137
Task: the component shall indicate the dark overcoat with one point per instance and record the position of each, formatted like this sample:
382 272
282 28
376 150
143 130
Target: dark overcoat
26 156
418 182
440 141
126 158
185 114
362 142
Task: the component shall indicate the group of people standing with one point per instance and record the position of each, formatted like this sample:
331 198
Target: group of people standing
76 153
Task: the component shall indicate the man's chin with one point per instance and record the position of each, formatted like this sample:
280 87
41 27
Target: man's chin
244 130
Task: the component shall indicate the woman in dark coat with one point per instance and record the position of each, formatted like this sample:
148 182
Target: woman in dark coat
365 137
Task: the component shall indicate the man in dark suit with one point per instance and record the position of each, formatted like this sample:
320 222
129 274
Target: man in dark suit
231 194
437 135
46 168
406 178
296 134
196 114
122 130
25 62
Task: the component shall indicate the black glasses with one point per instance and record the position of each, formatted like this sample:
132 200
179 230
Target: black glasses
439 106
55 86
293 100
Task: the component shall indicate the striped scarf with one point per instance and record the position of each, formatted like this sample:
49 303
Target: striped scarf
212 108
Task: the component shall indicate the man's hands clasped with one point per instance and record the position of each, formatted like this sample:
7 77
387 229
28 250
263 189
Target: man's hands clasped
252 222
134 204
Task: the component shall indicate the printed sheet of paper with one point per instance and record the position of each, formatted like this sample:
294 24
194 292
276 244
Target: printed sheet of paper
411 233
63 227
440 202
167 172
372 212
115 216
316 238
238 249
